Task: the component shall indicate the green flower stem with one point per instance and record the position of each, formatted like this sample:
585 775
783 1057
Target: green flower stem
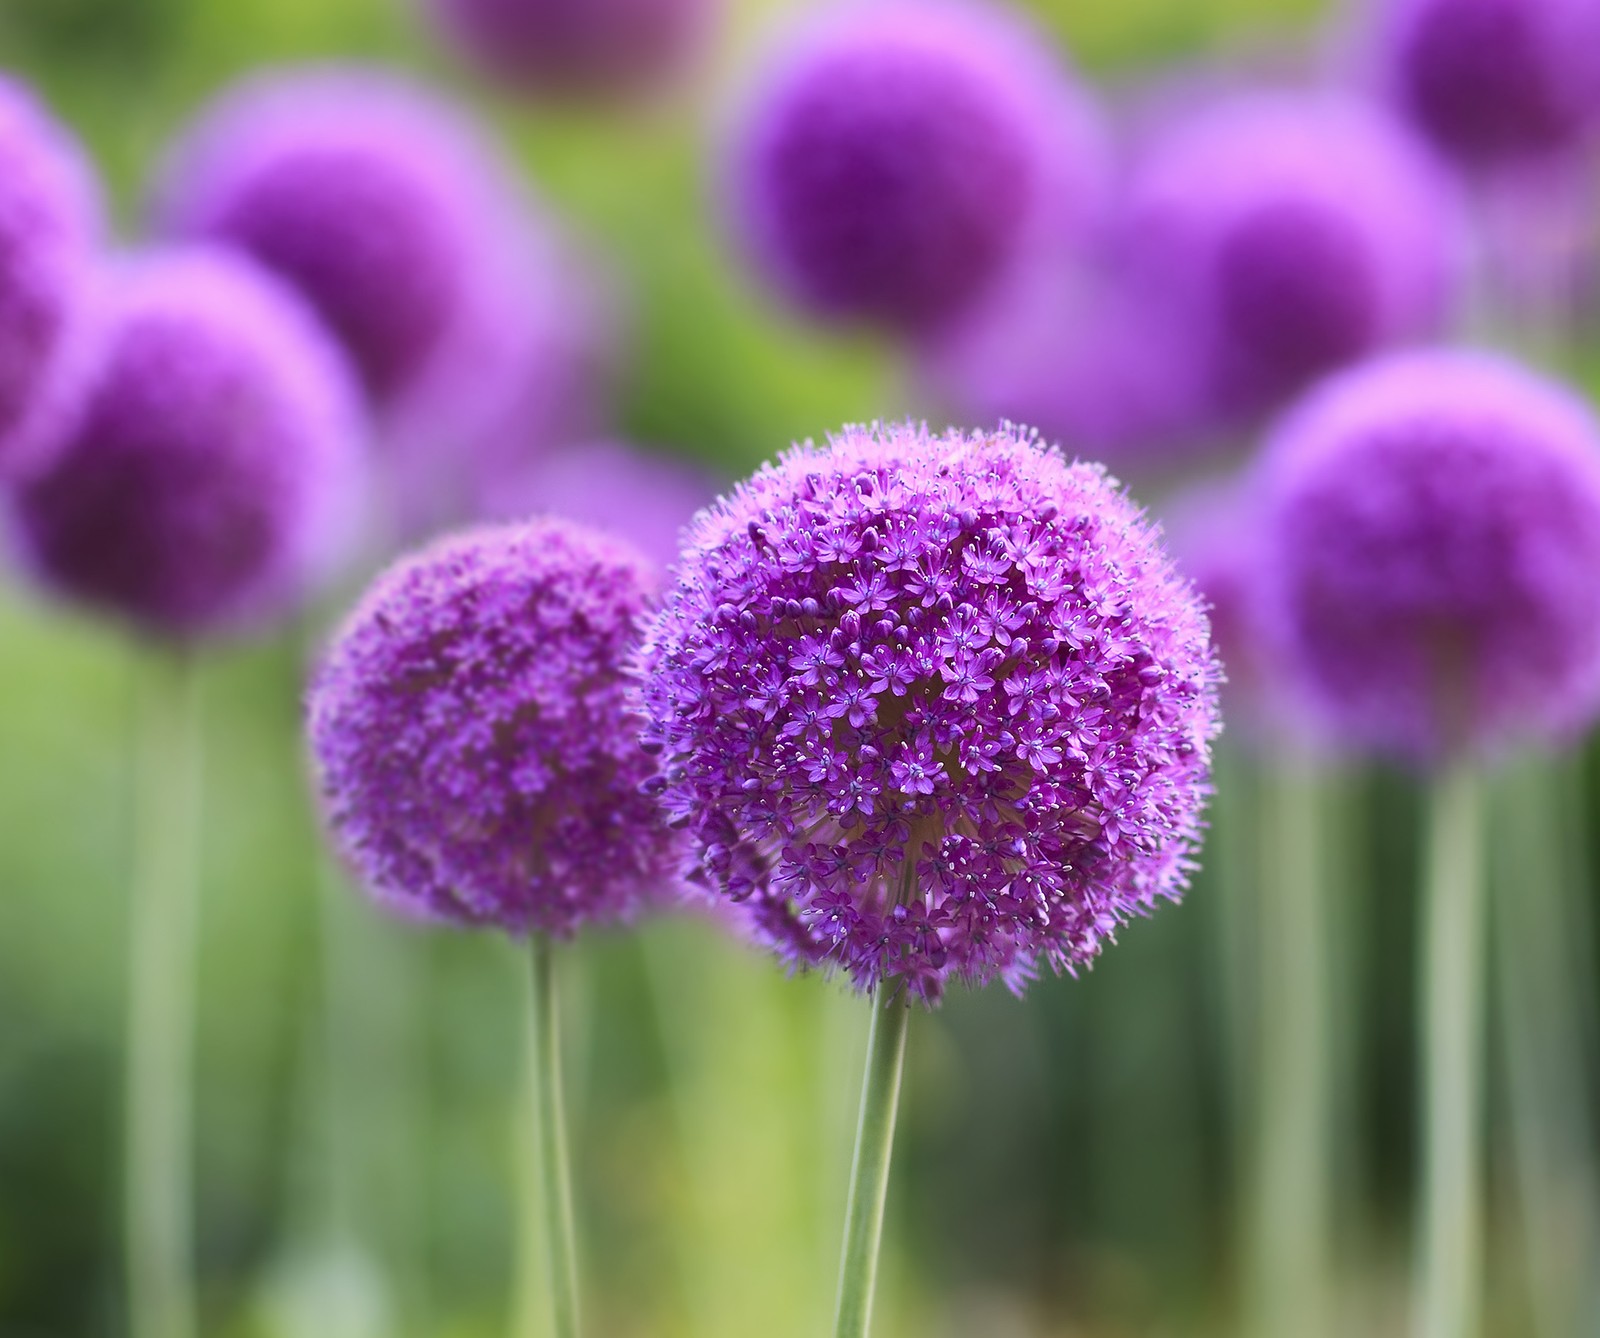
555 1181
1292 1200
869 1173
163 914
1452 1011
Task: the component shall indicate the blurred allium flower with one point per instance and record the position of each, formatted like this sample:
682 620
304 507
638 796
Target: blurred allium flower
406 232
1431 553
213 473
1298 233
901 154
576 46
1493 81
932 707
479 760
641 496
49 229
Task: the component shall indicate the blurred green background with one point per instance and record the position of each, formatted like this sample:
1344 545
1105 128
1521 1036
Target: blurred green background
1067 1166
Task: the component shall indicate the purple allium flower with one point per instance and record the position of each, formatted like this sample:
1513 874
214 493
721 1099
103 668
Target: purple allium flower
479 759
49 230
213 471
1297 232
932 707
402 227
576 46
1431 553
641 496
899 155
1494 81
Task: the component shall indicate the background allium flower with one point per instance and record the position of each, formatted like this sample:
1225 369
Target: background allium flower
1431 552
381 203
932 706
1298 233
900 155
1496 80
478 758
575 46
212 474
642 496
49 229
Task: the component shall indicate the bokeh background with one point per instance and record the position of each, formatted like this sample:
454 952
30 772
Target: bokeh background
1073 1164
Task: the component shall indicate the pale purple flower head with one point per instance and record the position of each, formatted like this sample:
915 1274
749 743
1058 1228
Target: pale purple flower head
1431 553
1495 81
897 156
1297 232
407 232
50 227
932 708
213 472
576 47
478 757
644 497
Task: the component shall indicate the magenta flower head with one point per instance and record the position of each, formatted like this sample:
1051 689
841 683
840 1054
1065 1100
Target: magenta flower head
49 231
1495 81
479 760
1431 546
932 707
405 231
1297 233
214 469
576 47
642 496
898 155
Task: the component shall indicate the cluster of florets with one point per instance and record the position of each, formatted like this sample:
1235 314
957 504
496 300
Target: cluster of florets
479 759
932 707
1295 234
214 466
1496 81
49 229
899 156
1430 550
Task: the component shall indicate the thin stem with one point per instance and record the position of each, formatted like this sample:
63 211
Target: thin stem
1292 1202
555 1182
163 914
869 1172
1452 1008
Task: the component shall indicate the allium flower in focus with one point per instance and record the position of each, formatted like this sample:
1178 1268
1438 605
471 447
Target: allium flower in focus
576 46
1431 553
642 496
1297 233
49 229
898 156
382 204
932 707
479 760
213 473
1496 81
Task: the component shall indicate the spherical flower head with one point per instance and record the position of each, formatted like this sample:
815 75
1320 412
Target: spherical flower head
380 202
1496 81
932 707
1431 545
479 760
576 47
1297 233
897 156
642 496
50 228
212 474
